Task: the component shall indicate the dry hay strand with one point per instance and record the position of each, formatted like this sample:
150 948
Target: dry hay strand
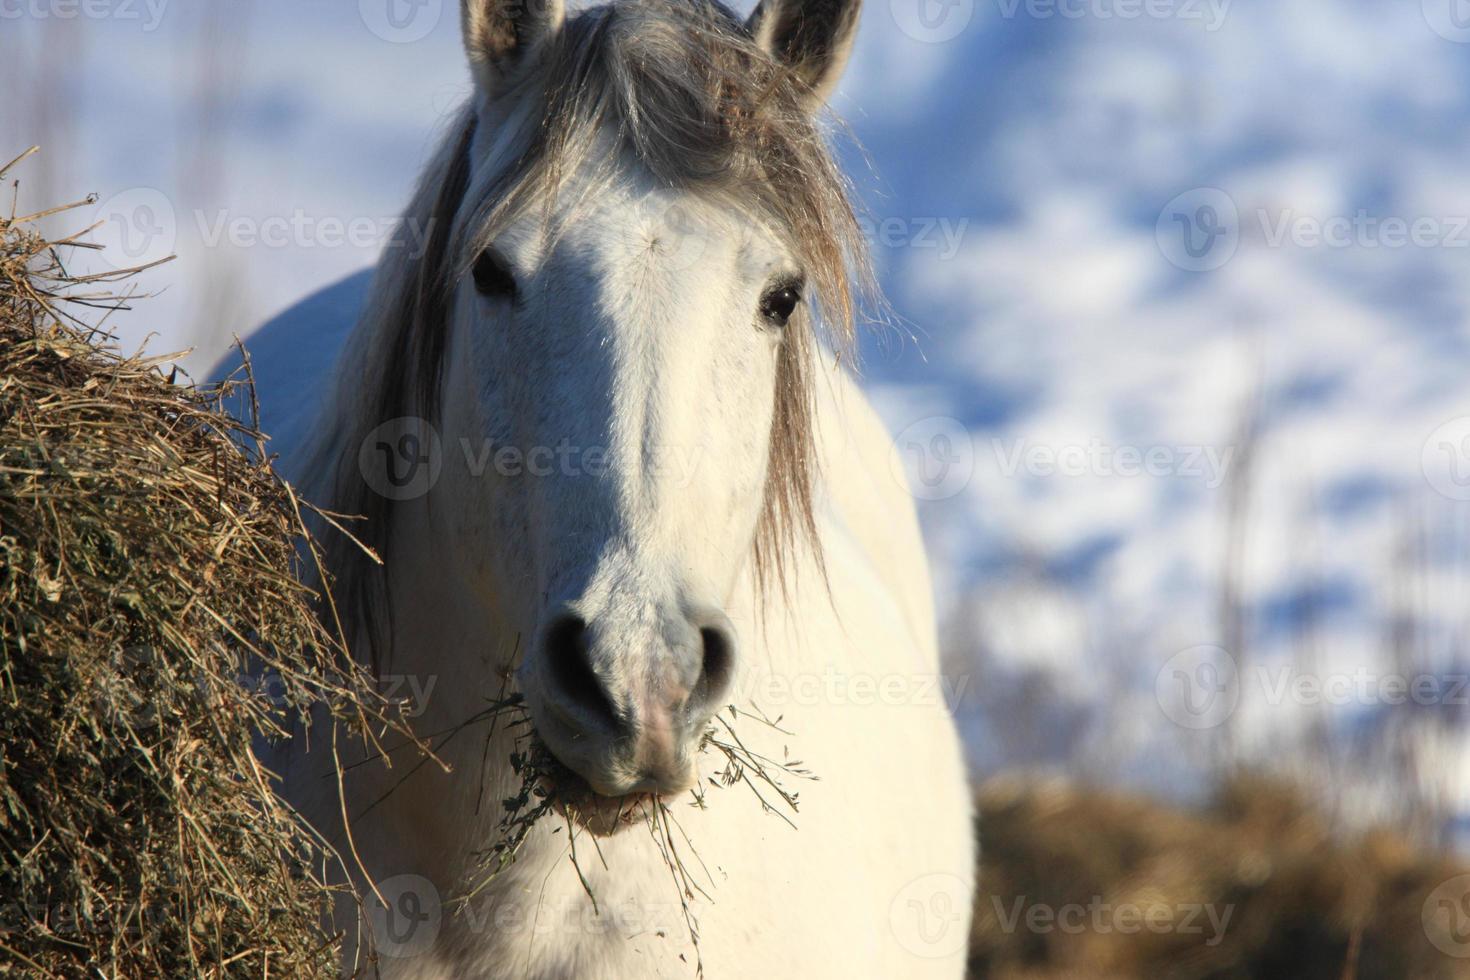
153 627
549 791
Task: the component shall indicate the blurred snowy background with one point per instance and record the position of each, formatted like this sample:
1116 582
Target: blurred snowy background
1184 372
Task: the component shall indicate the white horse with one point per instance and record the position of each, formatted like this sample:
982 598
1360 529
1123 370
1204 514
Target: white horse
609 465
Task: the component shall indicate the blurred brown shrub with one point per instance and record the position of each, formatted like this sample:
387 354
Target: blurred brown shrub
1082 884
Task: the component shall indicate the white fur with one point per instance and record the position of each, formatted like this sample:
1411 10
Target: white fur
637 337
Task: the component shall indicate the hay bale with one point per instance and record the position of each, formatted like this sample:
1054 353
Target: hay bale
148 583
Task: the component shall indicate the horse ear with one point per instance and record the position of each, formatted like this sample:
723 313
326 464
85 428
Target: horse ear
503 37
813 38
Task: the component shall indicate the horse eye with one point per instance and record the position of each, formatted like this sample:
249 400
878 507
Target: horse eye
780 302
493 276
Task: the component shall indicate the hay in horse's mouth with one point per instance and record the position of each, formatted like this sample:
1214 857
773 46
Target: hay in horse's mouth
551 790
573 798
549 787
604 816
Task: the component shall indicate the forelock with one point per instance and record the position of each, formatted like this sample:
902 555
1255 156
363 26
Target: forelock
681 90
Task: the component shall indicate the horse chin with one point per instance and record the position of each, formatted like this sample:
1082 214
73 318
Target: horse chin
601 816
598 813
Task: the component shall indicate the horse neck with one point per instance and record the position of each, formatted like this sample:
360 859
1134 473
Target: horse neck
443 633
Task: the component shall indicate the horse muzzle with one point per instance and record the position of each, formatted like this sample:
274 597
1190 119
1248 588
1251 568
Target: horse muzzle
625 701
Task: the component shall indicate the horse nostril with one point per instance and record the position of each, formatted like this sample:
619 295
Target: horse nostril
570 664
718 665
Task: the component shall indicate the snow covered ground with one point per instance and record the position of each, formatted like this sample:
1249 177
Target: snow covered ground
1185 288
